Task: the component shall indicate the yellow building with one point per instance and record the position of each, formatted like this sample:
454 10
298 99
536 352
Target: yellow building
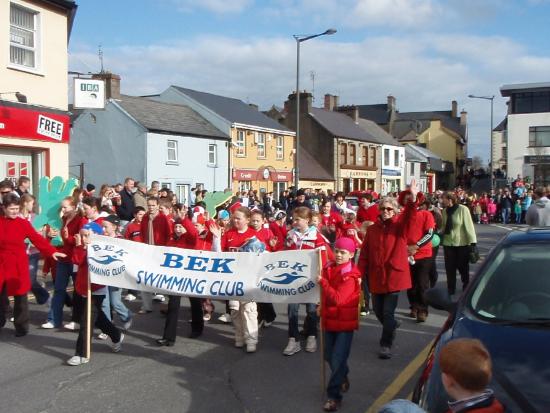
34 123
261 154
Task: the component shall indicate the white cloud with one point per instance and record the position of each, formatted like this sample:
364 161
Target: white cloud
408 13
215 6
424 72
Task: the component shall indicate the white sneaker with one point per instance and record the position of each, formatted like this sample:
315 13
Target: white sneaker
77 361
118 346
126 326
225 318
251 348
102 336
12 319
292 347
49 325
311 344
130 297
72 326
159 297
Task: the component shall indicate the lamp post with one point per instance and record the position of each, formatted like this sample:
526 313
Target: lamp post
491 98
299 39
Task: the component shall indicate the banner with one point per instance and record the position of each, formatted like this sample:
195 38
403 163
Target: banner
275 277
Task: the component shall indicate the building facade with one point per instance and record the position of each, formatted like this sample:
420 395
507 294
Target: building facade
528 131
261 152
34 121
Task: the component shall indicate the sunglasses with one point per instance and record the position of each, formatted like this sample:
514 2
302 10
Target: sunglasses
388 209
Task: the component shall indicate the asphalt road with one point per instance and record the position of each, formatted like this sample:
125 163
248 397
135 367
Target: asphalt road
207 374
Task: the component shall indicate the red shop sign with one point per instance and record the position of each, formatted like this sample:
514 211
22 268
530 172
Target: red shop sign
281 176
35 125
245 175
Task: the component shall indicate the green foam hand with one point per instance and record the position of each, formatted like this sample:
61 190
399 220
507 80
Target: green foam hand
50 194
212 200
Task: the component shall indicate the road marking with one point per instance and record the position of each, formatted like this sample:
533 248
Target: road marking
401 380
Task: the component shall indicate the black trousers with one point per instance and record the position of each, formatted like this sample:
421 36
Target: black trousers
266 312
457 258
101 321
420 274
20 311
171 324
433 270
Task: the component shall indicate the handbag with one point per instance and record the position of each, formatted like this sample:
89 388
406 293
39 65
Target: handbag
474 254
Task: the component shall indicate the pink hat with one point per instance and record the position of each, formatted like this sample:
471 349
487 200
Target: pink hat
345 243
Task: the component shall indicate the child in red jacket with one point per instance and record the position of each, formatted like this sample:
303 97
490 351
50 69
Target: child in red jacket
341 289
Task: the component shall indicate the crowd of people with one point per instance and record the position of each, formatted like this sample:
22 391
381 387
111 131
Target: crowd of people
370 253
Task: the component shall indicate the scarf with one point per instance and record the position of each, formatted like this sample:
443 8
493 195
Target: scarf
449 223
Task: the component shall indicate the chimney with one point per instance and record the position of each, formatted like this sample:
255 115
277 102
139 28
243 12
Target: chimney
305 103
454 109
352 111
112 84
253 106
331 102
391 103
463 117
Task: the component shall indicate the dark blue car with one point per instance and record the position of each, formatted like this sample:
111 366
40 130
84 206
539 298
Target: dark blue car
507 307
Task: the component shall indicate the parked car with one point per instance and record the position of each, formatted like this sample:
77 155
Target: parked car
507 307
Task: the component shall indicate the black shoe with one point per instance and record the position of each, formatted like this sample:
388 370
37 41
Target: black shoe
165 342
385 353
20 333
195 334
344 388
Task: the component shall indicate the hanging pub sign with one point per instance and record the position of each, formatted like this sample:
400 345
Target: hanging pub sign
89 93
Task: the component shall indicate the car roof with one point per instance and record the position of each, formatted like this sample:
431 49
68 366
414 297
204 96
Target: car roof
541 234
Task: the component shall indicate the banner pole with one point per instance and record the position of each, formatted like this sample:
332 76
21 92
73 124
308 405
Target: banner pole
322 331
88 318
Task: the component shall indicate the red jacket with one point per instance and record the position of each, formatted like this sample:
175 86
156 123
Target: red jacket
309 240
369 214
495 407
340 297
232 240
80 258
14 261
419 228
187 240
133 231
162 231
264 235
73 227
384 254
280 232
349 230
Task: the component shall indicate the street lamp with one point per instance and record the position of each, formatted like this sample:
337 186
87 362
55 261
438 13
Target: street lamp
491 98
299 39
21 98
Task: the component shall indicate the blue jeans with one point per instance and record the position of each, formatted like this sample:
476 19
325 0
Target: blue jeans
64 271
506 215
310 325
40 293
114 300
337 349
384 306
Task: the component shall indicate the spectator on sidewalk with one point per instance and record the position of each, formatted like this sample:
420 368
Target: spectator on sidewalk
538 214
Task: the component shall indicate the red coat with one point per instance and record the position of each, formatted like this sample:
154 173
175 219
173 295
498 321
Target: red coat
369 214
73 227
133 231
384 254
162 230
80 258
422 224
187 240
340 301
264 235
14 261
280 232
311 239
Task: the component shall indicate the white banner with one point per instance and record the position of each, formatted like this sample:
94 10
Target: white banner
275 277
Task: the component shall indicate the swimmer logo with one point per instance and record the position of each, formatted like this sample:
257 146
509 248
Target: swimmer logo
287 283
102 265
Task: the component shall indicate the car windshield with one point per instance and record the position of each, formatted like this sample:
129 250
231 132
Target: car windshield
352 201
515 286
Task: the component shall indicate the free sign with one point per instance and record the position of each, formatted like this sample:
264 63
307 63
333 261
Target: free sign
49 127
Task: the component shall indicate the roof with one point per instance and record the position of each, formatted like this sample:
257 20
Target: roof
415 152
407 129
378 113
340 125
507 90
502 126
168 118
413 156
233 110
311 169
382 137
445 116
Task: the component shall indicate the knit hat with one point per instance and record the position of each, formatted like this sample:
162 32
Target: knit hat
235 206
94 227
345 243
223 214
113 219
199 219
279 214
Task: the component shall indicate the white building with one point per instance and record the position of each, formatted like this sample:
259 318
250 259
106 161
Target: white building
393 168
528 131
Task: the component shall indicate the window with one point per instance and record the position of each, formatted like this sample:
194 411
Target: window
260 140
504 153
412 169
241 143
23 36
386 157
372 158
280 146
531 102
278 188
352 154
364 155
212 155
182 191
343 154
172 147
539 136
396 158
167 185
245 186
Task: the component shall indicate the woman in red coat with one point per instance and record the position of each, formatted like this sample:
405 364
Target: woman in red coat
384 260
15 279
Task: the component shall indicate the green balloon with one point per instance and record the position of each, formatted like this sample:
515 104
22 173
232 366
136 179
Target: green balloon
435 240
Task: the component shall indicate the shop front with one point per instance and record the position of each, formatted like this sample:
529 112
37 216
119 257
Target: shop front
391 181
33 142
357 180
314 185
265 179
541 169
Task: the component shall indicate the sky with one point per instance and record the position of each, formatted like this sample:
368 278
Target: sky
426 53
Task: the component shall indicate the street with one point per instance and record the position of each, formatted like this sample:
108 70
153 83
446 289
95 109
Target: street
208 374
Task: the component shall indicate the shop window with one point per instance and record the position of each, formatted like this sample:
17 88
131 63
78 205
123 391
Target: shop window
241 143
539 136
245 186
24 36
280 148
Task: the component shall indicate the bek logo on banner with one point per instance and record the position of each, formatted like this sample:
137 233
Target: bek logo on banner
285 277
